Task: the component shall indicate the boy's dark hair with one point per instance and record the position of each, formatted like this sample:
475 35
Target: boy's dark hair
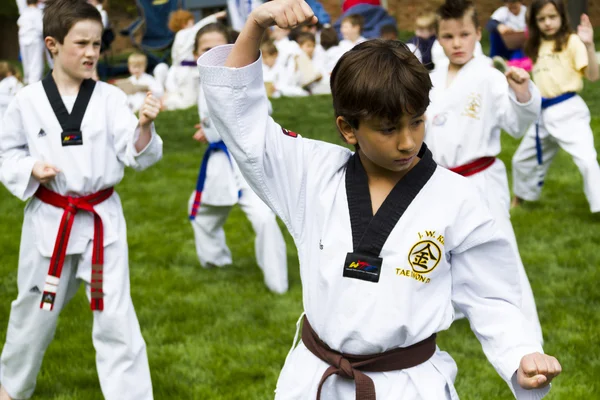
61 15
329 37
388 29
213 27
379 79
304 37
457 9
532 45
32 2
268 47
355 19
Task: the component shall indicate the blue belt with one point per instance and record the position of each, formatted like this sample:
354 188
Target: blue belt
548 102
212 147
187 63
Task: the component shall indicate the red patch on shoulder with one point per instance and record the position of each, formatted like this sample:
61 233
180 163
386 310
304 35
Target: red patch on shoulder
289 133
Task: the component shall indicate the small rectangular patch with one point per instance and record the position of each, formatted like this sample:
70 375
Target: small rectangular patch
363 267
71 138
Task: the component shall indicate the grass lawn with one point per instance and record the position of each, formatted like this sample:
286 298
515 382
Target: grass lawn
219 334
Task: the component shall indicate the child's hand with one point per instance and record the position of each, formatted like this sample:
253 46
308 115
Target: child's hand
537 370
518 80
585 31
149 110
199 135
44 172
503 29
283 13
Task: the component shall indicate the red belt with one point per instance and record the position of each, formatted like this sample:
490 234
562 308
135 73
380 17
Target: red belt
474 167
71 205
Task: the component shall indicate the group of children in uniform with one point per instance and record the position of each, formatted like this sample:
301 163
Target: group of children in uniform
380 231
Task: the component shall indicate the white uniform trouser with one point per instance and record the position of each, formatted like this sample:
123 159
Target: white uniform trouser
564 125
160 74
269 244
32 56
493 186
120 349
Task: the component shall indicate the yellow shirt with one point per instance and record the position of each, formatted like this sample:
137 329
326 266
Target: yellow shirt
558 73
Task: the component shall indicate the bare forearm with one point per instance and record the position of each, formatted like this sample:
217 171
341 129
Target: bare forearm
144 138
246 48
592 71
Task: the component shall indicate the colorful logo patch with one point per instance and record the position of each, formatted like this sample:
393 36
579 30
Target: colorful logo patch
363 265
289 133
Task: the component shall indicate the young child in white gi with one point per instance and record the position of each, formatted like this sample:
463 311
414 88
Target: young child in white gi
470 104
10 84
31 42
561 59
220 186
387 240
64 145
182 81
351 30
137 63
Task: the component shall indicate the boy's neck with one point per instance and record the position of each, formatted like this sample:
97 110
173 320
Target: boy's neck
377 173
66 84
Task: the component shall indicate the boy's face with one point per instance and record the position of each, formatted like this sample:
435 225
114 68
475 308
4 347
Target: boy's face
309 48
350 32
548 20
385 146
269 59
208 41
458 38
514 7
424 33
136 68
78 54
277 33
389 36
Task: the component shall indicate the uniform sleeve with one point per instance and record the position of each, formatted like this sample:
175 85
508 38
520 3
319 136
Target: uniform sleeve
512 116
125 132
16 163
579 55
273 160
485 287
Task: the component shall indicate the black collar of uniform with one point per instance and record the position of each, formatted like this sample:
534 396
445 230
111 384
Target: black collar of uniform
370 232
70 123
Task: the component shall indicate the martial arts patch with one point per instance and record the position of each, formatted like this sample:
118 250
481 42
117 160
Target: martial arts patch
289 133
362 266
73 138
424 256
41 133
35 290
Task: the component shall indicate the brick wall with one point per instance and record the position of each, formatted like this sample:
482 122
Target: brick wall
406 11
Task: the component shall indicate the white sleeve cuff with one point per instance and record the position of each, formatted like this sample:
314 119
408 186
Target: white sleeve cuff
213 72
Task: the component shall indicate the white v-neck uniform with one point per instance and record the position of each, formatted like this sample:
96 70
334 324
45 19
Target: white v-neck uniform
32 133
303 181
464 121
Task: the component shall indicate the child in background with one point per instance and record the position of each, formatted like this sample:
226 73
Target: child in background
220 186
141 81
31 42
333 52
390 32
379 231
181 79
425 37
64 145
309 66
269 59
561 60
351 29
101 10
507 19
10 83
470 104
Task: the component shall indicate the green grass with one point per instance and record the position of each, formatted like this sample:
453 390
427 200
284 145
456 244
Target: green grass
219 334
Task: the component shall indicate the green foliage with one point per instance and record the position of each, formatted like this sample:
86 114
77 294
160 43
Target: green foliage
219 334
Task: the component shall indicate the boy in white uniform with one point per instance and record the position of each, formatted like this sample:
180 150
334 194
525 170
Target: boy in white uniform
9 86
368 297
470 103
65 142
220 186
31 42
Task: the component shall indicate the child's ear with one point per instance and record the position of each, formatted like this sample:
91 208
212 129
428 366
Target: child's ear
52 45
346 131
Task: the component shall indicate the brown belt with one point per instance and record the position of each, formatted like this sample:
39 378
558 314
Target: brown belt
352 366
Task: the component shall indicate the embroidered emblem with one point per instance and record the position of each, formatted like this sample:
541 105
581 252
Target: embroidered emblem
35 289
289 133
473 107
41 133
440 119
362 265
423 256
